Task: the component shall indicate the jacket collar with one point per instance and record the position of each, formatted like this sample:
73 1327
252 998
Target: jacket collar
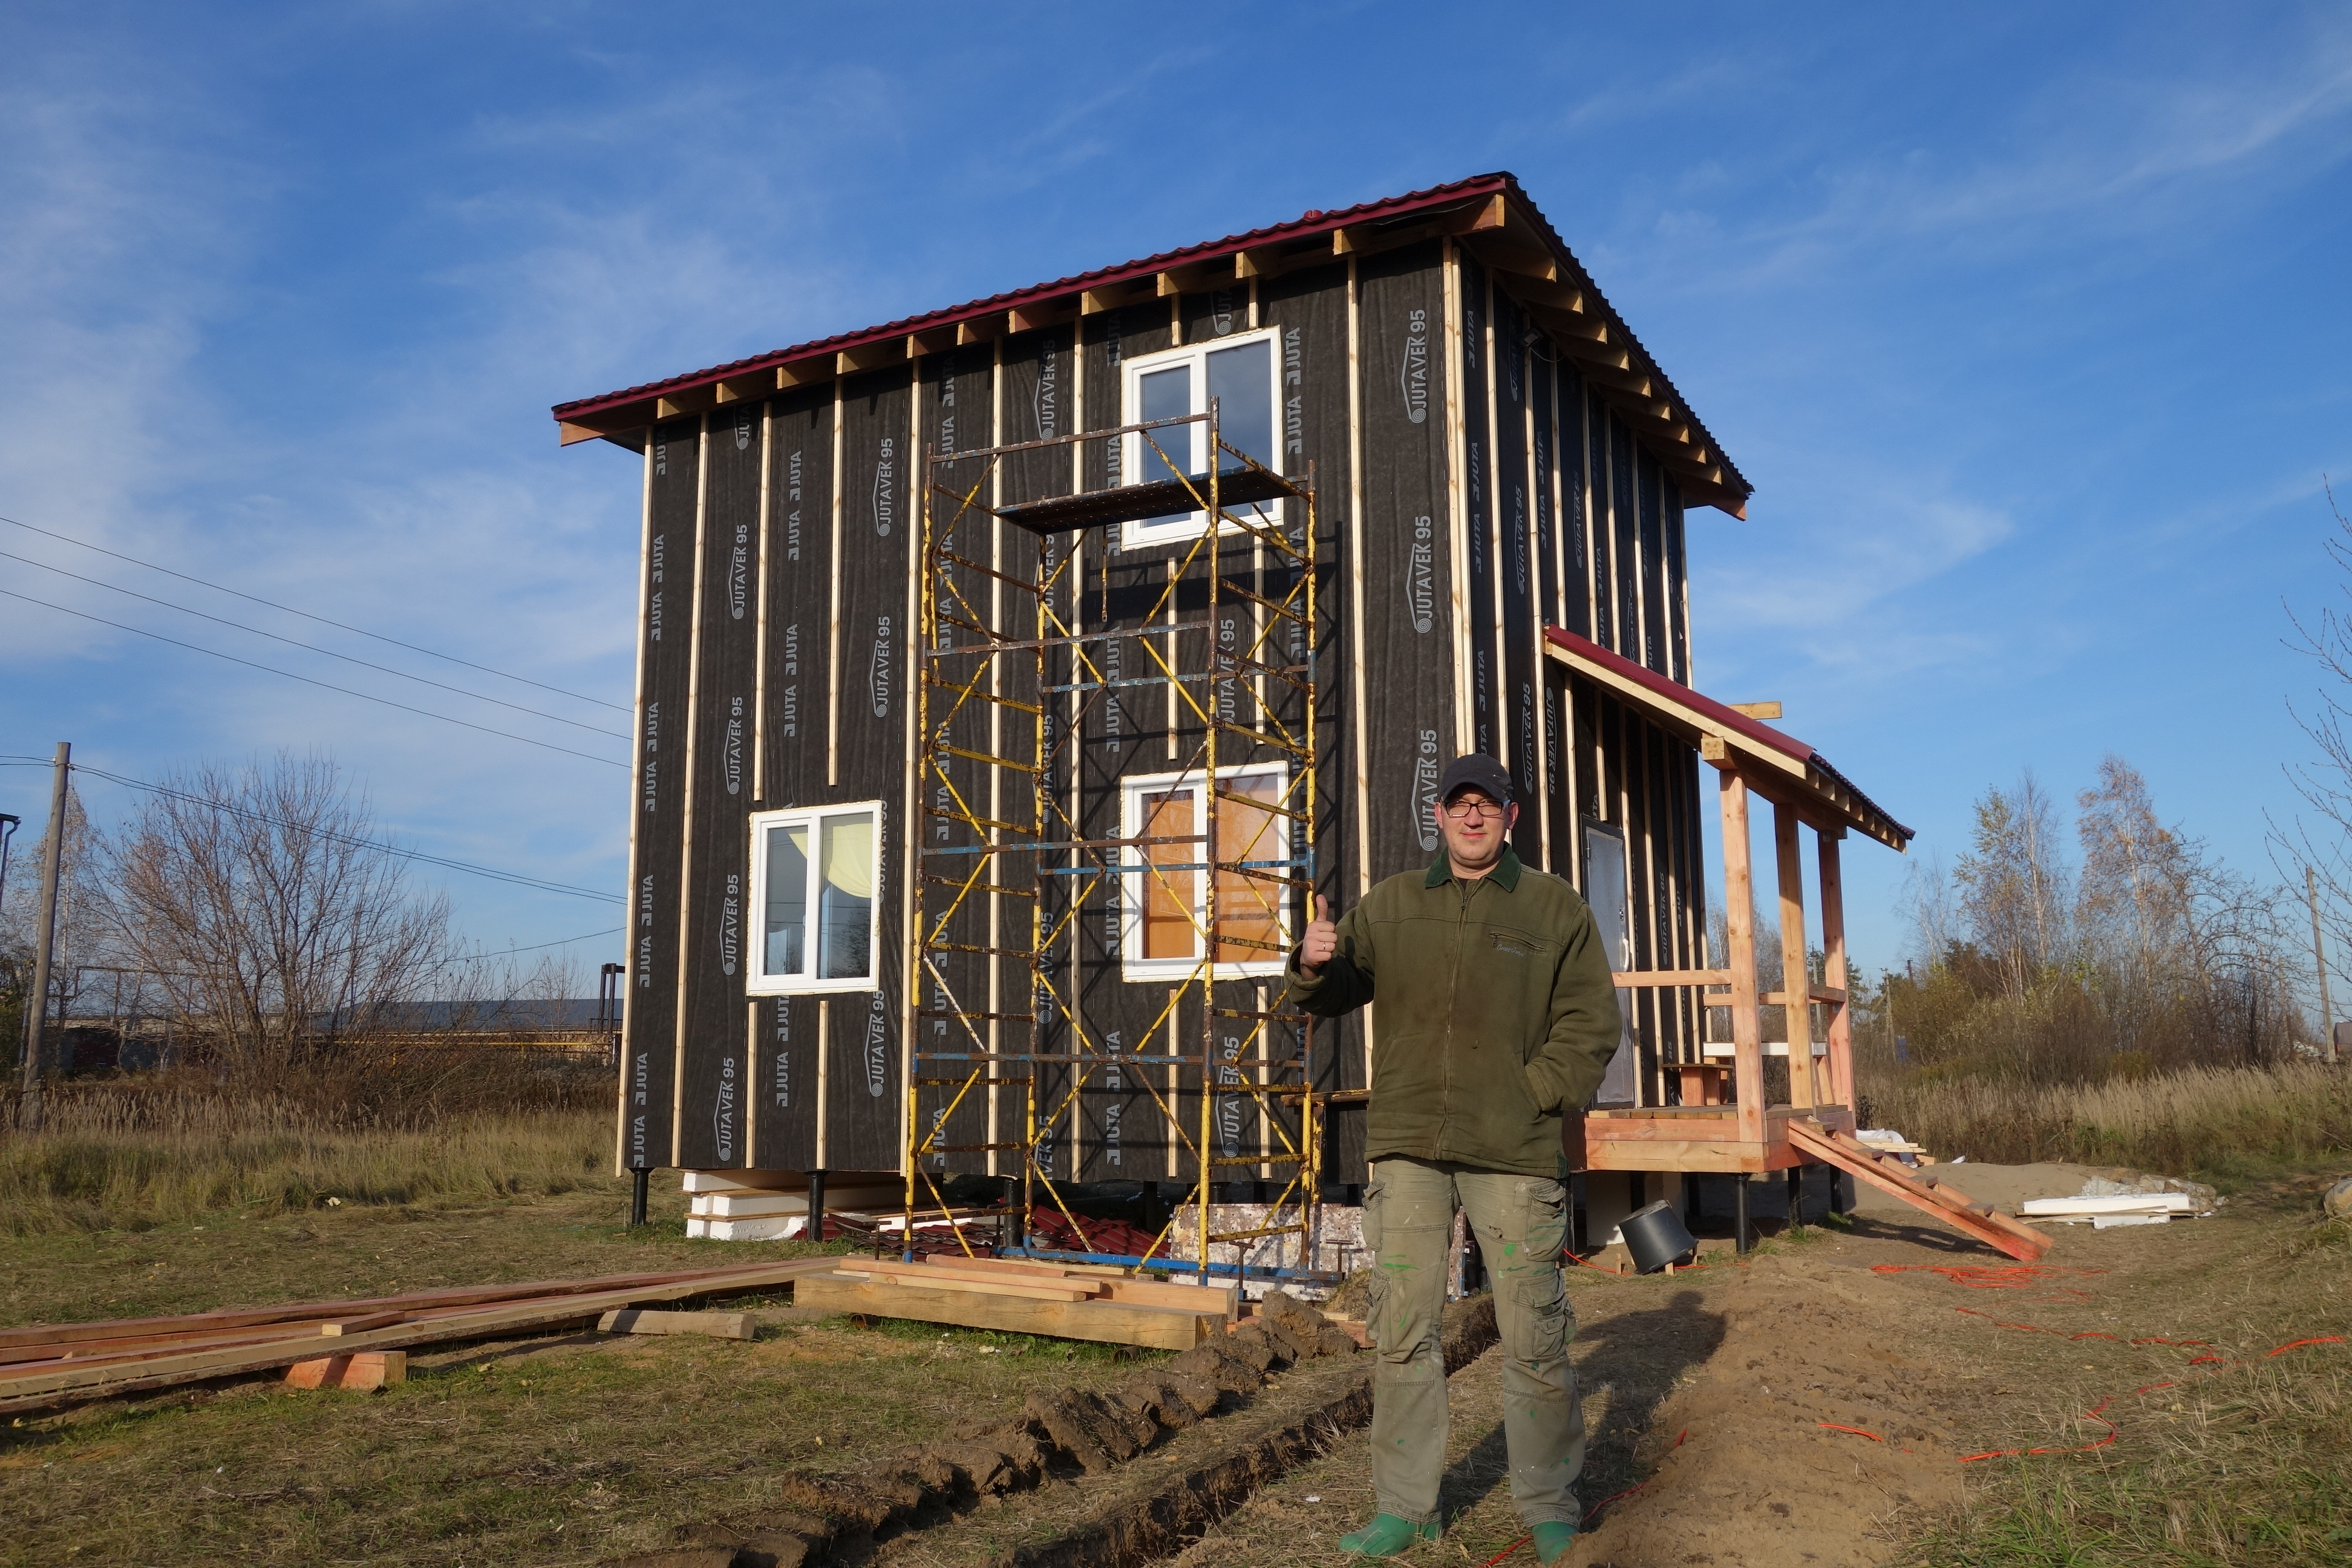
1506 874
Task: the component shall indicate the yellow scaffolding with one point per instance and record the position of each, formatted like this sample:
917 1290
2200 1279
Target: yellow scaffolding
991 641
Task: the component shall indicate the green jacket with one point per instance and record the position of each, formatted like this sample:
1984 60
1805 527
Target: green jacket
1496 1013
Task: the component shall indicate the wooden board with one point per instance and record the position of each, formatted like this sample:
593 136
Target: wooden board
915 1274
248 1317
1106 1323
712 1325
494 1321
370 1369
1114 1283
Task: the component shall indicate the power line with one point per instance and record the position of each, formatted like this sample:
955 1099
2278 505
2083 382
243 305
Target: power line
313 647
534 947
306 681
518 879
338 625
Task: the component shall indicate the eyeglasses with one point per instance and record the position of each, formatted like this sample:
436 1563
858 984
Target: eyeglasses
1457 810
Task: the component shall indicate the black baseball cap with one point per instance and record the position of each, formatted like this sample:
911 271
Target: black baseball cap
1478 771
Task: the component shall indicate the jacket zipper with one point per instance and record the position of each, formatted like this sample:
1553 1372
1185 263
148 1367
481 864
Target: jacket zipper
1452 1002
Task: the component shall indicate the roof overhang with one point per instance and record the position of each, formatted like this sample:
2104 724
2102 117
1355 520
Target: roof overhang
1778 765
1489 215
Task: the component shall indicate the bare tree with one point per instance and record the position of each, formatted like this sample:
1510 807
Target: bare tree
2013 885
275 920
2324 847
84 928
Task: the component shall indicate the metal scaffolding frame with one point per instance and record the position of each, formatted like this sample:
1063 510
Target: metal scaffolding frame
1012 644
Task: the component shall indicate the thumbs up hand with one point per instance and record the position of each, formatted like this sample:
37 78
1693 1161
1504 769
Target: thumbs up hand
1322 940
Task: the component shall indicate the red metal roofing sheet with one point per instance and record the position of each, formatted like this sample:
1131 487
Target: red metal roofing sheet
1306 225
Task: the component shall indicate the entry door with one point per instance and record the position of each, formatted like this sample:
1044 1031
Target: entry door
1604 889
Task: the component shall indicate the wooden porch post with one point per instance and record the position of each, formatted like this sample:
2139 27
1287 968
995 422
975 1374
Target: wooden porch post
1740 940
1795 984
1833 975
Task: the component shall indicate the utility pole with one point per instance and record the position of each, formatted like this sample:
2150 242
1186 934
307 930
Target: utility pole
2319 957
37 1012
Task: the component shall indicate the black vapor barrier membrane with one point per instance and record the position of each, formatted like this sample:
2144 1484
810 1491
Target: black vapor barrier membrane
1477 521
1677 584
1218 313
1406 643
1598 528
1408 635
964 987
869 695
1543 412
1514 572
1625 539
1110 339
1657 635
1039 400
665 622
797 565
1309 309
712 1071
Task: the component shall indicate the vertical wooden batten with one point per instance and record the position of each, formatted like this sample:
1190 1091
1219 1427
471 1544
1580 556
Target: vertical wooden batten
686 847
1834 973
621 1121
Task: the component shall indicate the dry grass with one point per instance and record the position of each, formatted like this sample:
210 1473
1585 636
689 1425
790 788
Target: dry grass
2222 1121
122 1161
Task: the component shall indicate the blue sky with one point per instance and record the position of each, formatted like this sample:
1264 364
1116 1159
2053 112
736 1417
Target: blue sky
2029 324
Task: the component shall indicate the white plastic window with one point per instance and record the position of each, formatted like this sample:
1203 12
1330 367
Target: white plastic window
1164 896
814 899
1243 372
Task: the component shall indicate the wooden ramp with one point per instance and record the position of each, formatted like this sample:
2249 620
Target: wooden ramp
1936 1197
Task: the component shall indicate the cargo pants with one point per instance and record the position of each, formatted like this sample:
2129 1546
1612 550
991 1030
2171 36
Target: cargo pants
1521 1226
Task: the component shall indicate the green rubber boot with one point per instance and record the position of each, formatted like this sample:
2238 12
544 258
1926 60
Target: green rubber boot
1386 1536
1553 1538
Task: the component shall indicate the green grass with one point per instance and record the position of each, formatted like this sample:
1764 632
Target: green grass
2248 1467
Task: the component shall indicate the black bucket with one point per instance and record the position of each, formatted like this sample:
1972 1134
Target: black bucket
1655 1237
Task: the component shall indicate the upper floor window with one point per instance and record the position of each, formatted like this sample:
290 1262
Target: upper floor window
1242 371
1164 904
812 874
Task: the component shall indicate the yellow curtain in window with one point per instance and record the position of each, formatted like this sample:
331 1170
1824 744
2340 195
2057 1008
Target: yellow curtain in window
848 854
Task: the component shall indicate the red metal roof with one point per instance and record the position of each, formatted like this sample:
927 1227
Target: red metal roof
1718 713
1306 225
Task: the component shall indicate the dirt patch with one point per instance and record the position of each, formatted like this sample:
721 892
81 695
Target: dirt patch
1750 1468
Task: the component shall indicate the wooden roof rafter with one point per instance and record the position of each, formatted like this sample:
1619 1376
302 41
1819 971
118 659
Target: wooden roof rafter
1776 764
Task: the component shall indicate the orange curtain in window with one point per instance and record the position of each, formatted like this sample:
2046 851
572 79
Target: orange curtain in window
1167 898
1249 908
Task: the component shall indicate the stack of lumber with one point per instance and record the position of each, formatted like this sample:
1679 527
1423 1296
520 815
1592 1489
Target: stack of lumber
740 1205
2104 1213
50 1364
1074 1301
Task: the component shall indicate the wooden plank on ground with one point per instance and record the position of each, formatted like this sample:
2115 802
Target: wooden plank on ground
1116 1284
489 1322
369 1369
1030 1290
1106 1323
248 1317
644 1320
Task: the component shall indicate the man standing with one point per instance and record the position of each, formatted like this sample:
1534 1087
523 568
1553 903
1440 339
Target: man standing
1497 1013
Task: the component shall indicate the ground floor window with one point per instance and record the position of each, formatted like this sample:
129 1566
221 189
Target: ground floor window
813 876
1164 895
